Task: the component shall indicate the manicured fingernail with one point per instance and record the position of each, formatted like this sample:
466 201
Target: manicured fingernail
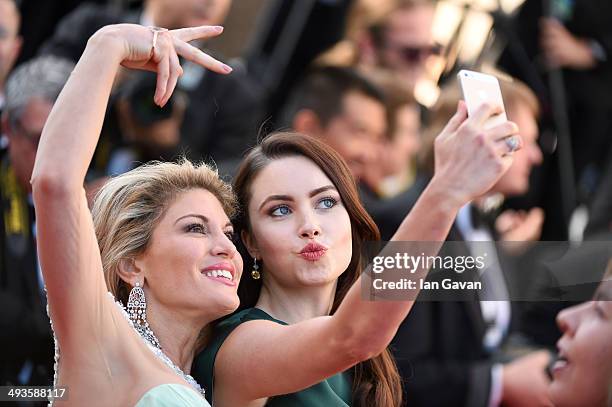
227 68
218 28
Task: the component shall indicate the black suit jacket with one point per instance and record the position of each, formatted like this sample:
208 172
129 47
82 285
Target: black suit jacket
587 91
439 349
25 332
600 209
222 117
588 19
390 212
439 346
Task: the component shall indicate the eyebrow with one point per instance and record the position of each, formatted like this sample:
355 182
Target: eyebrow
311 194
201 217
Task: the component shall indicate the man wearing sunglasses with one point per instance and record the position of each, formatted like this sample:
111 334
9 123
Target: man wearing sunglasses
402 41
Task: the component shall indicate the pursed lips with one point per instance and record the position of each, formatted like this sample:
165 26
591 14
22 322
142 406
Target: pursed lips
313 251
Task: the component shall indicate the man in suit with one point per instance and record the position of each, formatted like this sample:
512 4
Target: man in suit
447 349
221 118
575 38
343 109
26 343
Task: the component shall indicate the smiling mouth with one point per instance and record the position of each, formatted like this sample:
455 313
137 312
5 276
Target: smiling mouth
560 364
222 276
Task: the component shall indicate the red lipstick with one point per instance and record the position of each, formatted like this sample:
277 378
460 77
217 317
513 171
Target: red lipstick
313 251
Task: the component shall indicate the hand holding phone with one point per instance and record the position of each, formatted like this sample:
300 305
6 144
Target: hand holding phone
479 88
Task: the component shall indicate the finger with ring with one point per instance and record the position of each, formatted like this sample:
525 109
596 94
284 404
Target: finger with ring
513 143
155 31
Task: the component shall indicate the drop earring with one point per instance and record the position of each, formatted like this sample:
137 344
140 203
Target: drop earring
137 311
255 274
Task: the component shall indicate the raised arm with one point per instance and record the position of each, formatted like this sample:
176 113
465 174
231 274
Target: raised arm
469 161
67 246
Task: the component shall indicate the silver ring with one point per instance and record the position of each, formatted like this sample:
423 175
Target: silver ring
156 31
512 143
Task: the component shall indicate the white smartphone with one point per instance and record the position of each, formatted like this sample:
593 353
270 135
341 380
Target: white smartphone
478 88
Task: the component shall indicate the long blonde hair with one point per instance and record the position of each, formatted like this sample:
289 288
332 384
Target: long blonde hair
127 209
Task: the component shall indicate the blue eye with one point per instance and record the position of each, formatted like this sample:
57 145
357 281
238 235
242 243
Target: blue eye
327 203
281 210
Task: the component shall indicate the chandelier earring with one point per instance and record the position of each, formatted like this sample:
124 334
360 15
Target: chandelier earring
137 311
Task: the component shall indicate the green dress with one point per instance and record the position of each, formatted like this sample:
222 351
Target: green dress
332 392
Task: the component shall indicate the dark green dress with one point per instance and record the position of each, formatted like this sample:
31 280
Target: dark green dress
332 392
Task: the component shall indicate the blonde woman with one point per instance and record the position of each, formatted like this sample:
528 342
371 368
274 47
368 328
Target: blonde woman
163 245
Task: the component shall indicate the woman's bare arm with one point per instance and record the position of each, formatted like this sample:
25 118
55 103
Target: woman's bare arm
67 246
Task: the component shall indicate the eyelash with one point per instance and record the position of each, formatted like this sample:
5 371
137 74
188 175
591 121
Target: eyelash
274 209
231 236
327 198
193 226
200 228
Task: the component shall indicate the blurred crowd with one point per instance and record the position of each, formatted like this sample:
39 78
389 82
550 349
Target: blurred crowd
375 80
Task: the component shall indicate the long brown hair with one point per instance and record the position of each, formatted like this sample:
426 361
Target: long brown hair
376 382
